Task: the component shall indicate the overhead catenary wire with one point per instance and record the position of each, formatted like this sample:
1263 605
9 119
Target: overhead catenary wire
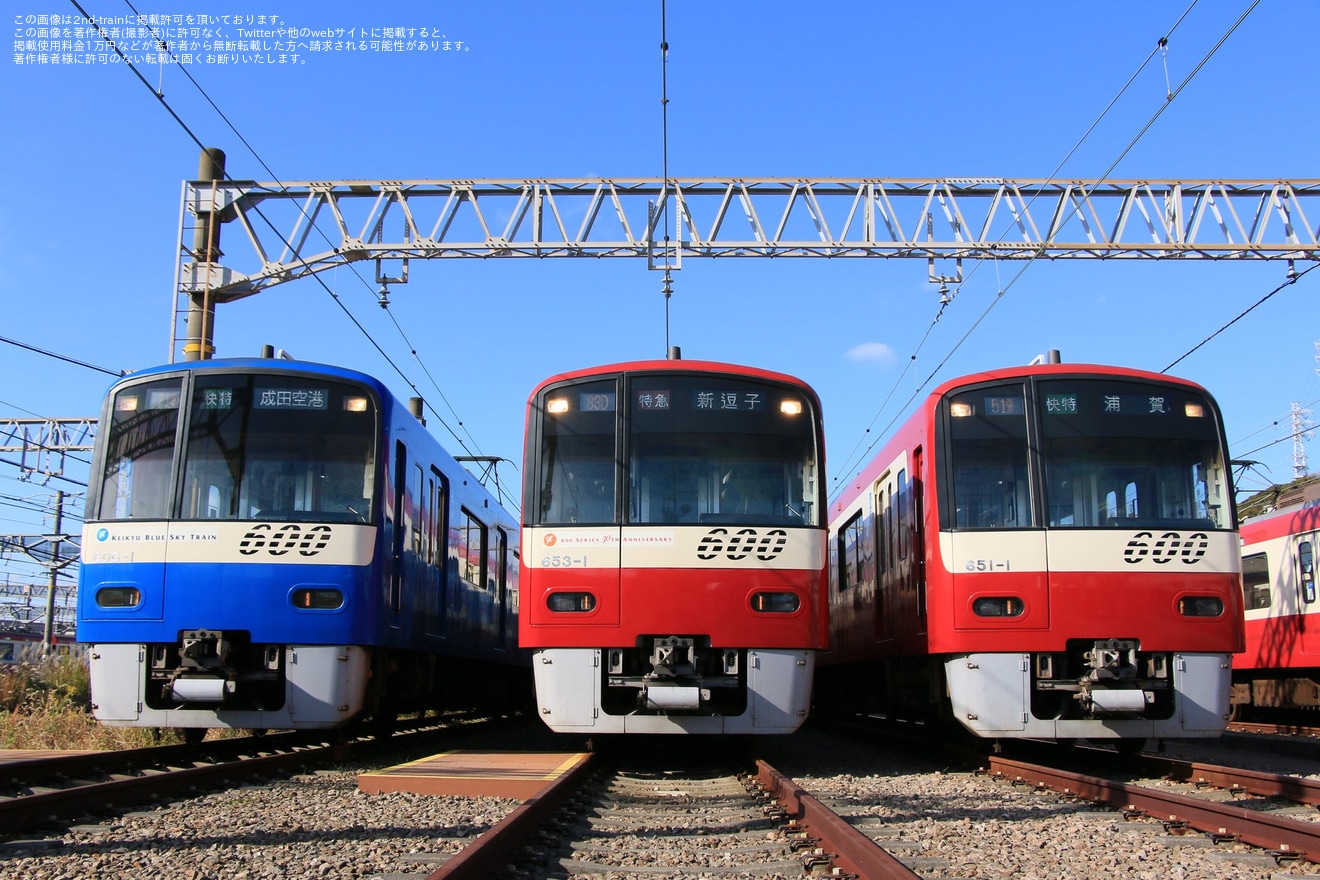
62 357
1161 46
667 285
275 177
1293 278
333 294
851 462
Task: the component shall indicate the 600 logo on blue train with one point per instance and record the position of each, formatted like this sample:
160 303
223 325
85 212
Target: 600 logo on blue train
288 537
743 542
1168 547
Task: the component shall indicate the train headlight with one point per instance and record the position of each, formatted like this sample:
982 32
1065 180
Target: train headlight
1200 606
571 602
998 606
118 597
317 598
790 407
776 603
556 405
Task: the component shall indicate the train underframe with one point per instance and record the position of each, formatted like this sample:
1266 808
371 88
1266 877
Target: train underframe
224 680
673 684
1274 694
1094 689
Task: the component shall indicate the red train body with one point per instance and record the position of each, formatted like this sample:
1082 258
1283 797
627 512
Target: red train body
1044 552
1280 666
673 548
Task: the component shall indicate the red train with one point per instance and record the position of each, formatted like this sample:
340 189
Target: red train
1280 668
673 548
1045 552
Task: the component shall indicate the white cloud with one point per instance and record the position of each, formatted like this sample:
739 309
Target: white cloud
871 353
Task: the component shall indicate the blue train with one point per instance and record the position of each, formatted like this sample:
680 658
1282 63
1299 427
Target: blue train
272 544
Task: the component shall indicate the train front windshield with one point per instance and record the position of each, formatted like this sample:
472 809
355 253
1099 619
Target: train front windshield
1112 453
253 447
697 448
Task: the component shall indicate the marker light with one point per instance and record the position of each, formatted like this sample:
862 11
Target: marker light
776 603
118 597
556 405
570 602
998 606
1200 606
355 404
321 600
960 410
1193 410
790 407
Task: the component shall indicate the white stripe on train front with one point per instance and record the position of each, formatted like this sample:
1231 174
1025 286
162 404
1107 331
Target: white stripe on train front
1144 550
703 546
228 541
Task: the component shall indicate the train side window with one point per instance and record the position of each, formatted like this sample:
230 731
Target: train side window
1306 570
904 513
891 533
502 563
401 525
850 553
440 525
438 554
419 522
1256 580
881 557
472 549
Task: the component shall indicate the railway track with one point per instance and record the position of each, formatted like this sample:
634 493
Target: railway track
46 790
728 818
624 821
1226 803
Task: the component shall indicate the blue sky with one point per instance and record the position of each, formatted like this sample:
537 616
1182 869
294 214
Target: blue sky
92 164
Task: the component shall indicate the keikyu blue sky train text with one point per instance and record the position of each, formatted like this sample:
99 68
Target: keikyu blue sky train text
272 544
673 548
1047 551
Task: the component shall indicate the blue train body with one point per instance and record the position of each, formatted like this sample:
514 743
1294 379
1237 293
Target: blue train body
275 544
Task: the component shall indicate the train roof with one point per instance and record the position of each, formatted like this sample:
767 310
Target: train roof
671 365
867 472
238 365
1063 369
1285 521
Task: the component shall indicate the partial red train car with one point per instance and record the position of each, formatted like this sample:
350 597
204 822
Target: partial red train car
1047 552
673 548
1280 667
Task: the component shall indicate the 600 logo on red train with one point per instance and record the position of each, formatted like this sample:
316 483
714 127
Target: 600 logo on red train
740 544
285 538
1168 547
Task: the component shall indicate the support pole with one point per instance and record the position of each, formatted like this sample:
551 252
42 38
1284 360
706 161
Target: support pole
48 637
199 345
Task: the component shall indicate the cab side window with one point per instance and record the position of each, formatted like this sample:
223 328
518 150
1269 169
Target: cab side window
1256 580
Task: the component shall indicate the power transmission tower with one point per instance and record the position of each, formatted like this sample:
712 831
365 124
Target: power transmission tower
1301 432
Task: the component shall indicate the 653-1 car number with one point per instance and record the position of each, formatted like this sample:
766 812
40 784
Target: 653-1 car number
562 561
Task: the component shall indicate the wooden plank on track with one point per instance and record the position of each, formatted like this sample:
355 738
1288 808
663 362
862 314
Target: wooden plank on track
474 773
